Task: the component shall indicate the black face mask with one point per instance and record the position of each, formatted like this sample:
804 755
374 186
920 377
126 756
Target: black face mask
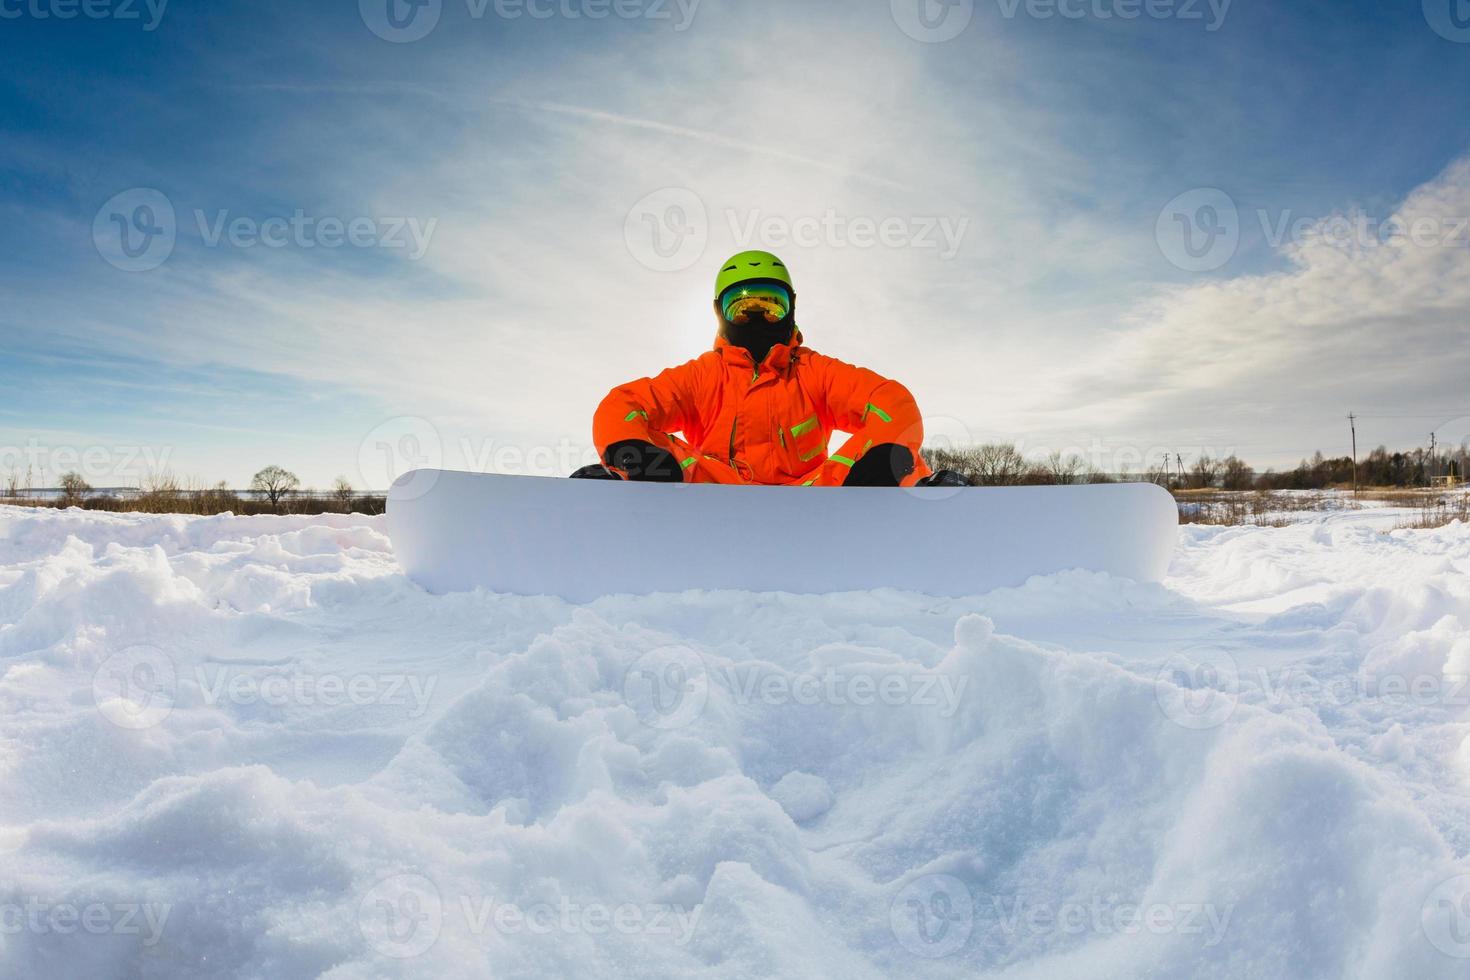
758 336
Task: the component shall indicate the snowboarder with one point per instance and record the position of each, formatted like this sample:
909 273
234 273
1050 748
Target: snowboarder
760 408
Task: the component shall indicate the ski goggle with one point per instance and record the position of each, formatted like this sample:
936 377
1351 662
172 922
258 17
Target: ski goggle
755 301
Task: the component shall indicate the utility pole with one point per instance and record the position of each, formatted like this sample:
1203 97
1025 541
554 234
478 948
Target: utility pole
1353 421
1431 459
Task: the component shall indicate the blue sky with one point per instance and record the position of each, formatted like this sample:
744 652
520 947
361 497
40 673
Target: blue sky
541 201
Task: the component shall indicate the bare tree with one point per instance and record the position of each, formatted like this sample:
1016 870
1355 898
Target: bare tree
991 465
72 488
342 491
1063 470
1237 475
276 483
999 464
160 492
1205 472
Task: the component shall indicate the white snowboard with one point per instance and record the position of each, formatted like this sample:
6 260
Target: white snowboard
580 539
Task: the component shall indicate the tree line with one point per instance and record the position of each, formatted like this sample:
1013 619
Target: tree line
1002 464
273 489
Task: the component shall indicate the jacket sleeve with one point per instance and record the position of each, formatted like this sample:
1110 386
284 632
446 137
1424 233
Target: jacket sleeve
873 410
648 410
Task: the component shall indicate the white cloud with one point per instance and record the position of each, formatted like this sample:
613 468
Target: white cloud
1381 324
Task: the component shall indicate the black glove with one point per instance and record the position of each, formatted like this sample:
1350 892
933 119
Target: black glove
644 462
944 478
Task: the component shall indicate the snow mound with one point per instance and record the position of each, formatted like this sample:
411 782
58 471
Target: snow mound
250 748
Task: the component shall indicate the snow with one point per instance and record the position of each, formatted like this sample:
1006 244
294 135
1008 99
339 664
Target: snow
249 747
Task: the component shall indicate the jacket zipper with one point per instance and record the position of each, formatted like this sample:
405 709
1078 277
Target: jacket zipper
735 423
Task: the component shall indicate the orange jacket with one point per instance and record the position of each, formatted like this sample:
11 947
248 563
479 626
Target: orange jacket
766 425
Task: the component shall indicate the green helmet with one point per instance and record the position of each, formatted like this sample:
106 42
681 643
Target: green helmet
751 265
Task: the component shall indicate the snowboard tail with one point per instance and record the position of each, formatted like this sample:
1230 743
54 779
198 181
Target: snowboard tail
581 539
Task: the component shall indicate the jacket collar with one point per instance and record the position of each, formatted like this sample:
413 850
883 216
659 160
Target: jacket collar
779 358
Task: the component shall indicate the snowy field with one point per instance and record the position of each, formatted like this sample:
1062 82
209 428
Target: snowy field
248 747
